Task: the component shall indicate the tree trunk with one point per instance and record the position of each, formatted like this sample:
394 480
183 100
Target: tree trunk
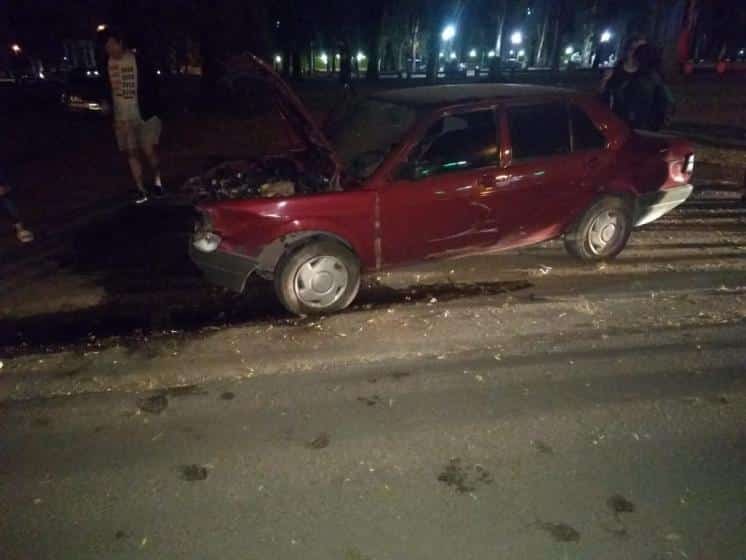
557 41
542 37
501 28
414 37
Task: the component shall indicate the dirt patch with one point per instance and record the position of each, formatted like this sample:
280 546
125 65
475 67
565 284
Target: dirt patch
228 396
560 532
194 473
619 504
542 447
464 478
320 442
186 391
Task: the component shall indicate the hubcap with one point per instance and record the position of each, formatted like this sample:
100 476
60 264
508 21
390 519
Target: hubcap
606 230
321 281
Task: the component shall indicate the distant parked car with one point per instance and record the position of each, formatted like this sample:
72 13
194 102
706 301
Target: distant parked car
426 173
84 91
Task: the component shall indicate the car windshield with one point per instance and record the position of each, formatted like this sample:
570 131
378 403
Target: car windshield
364 131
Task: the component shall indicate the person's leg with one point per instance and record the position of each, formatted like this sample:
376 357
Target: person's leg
149 139
127 142
151 153
136 169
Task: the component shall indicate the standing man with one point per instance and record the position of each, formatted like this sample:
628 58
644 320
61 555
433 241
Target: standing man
135 99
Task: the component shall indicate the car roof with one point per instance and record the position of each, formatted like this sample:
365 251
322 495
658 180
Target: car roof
434 96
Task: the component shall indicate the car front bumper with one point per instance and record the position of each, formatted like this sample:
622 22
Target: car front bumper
224 269
652 206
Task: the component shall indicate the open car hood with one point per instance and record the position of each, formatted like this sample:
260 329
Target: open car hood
287 102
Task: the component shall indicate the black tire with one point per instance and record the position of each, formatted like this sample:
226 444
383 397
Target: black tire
583 240
340 262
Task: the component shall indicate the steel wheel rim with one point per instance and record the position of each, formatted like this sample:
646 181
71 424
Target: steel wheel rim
605 232
321 282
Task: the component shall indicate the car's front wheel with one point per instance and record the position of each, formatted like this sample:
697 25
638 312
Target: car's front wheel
319 277
602 232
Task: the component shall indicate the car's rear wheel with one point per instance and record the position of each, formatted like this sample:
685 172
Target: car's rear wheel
602 232
319 277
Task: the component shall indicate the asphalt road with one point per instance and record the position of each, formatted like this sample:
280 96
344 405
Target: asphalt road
578 413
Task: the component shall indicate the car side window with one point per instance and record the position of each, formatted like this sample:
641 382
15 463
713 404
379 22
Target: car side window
457 142
539 130
585 135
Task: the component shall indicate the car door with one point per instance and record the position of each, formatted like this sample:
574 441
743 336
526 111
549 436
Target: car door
540 171
433 207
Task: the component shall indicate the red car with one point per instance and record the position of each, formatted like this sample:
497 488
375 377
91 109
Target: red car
425 173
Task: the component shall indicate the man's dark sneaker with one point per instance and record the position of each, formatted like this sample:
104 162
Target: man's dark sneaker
140 196
158 191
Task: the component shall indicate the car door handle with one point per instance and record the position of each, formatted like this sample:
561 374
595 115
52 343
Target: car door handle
440 193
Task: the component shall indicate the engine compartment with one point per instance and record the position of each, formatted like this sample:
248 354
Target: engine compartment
269 177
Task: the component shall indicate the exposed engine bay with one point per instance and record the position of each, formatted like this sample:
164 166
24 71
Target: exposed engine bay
261 178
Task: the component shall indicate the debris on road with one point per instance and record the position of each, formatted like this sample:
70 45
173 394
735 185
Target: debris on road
194 473
560 532
153 405
542 447
619 504
321 441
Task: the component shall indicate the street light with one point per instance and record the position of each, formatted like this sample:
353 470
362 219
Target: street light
360 57
278 59
473 53
569 50
606 36
521 53
516 38
491 54
324 58
453 56
449 32
16 48
101 27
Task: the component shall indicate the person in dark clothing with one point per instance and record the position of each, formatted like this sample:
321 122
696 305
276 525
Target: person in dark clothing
636 91
22 234
345 67
134 96
624 70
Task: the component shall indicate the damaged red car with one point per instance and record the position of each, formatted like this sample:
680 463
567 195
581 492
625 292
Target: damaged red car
425 173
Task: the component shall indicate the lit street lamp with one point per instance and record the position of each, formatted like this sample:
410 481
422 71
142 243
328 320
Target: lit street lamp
16 48
491 54
278 59
473 53
606 36
101 27
453 56
449 32
360 57
516 38
324 59
569 50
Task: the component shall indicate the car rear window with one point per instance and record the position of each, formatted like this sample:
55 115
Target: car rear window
539 130
461 141
584 133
